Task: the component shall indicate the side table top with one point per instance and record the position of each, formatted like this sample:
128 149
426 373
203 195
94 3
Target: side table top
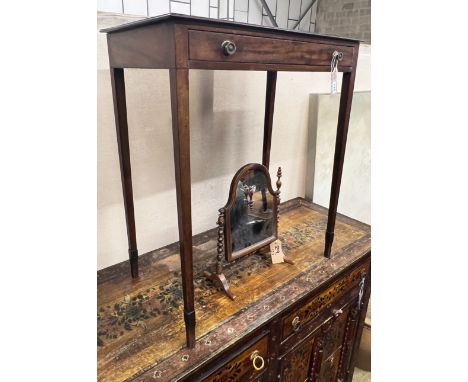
175 17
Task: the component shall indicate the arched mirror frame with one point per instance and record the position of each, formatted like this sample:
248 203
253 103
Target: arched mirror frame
241 173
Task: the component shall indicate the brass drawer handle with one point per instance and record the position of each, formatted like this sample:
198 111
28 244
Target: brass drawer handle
229 48
337 312
257 360
337 55
296 323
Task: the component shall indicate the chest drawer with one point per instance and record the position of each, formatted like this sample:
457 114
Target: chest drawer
215 46
295 320
247 366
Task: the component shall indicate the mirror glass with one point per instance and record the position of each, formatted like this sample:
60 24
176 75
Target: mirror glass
252 217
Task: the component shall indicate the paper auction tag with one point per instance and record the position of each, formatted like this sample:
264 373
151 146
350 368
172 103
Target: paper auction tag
334 86
334 71
277 255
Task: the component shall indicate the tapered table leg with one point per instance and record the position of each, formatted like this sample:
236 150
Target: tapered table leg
120 113
269 110
181 136
347 88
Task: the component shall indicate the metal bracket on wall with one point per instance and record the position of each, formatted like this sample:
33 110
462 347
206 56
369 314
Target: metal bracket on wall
303 14
268 11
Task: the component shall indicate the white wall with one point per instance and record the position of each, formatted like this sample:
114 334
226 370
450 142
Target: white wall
355 183
226 115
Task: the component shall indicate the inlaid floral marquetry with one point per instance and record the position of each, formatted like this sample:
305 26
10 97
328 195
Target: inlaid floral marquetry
329 368
140 322
240 366
132 311
315 306
295 366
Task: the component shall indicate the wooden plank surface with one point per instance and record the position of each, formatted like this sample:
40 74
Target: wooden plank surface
140 322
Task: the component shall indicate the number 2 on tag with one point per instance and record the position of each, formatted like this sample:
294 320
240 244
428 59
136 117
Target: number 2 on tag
277 255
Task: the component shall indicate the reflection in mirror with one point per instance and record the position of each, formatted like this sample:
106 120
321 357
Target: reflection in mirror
252 217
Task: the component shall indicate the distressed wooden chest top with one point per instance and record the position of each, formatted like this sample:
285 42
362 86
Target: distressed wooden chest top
140 328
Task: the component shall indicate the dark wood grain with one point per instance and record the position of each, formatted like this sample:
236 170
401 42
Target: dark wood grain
269 112
344 112
181 45
220 65
355 342
120 113
163 42
179 80
149 47
206 46
295 365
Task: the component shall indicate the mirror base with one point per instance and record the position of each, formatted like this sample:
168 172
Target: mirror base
288 260
222 281
265 251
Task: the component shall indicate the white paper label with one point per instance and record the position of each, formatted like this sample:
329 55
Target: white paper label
334 86
334 72
277 255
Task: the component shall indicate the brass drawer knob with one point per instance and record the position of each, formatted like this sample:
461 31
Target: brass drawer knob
337 312
296 323
229 48
257 360
337 55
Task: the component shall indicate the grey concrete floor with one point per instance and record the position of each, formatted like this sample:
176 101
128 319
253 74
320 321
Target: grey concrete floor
361 375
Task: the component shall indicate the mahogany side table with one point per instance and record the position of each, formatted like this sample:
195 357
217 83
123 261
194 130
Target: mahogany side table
180 43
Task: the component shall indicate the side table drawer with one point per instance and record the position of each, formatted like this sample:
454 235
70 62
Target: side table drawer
293 322
247 366
208 46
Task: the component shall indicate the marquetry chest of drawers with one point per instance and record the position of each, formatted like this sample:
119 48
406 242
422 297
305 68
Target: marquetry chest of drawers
288 323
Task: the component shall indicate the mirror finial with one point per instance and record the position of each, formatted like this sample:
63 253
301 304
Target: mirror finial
279 173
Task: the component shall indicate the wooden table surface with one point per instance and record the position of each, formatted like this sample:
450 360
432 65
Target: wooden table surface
140 322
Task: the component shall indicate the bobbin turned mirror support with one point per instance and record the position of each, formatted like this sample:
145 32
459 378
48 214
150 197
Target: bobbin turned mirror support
218 276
